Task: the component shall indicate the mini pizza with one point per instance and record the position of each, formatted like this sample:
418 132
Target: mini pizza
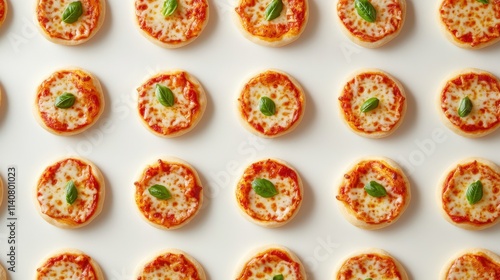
70 22
476 263
470 24
69 102
168 193
372 103
370 264
272 23
371 23
271 262
269 193
171 103
469 194
171 23
3 12
469 103
373 193
69 264
70 193
271 104
171 264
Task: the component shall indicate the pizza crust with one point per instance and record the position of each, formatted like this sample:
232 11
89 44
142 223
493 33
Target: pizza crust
1 194
199 268
439 193
444 272
3 273
97 268
443 117
100 204
350 215
5 13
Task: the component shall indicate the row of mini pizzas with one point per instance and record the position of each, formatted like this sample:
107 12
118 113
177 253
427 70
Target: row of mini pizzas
373 193
274 23
270 104
270 262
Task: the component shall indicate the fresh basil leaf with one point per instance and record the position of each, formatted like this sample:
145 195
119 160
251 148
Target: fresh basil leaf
264 188
267 106
71 192
165 96
273 10
65 100
474 192
465 107
278 277
72 12
169 7
483 1
375 189
160 192
370 104
365 10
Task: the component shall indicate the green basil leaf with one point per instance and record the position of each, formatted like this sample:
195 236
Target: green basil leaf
71 192
366 10
483 1
160 192
273 10
169 7
465 107
375 189
369 104
368 279
72 12
278 277
65 100
264 188
474 192
267 106
164 95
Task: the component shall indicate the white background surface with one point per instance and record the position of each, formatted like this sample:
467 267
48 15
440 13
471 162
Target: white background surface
320 148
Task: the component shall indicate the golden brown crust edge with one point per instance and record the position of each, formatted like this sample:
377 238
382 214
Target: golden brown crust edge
199 267
444 271
94 264
3 272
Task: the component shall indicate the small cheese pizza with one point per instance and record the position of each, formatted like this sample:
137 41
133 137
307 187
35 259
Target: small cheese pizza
171 103
170 264
171 23
3 273
269 193
372 103
469 103
373 193
272 23
70 193
470 24
3 11
69 102
370 264
271 262
371 23
476 263
70 22
69 264
469 194
271 104
168 193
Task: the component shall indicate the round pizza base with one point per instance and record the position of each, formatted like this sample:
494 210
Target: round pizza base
102 103
100 204
3 273
443 117
444 272
199 268
350 215
73 42
262 249
251 128
202 100
380 134
379 43
170 159
274 224
6 12
97 268
275 44
439 193
376 251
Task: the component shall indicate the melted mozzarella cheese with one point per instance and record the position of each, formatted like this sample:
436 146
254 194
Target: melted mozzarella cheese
279 207
267 266
365 267
467 267
258 19
67 268
173 268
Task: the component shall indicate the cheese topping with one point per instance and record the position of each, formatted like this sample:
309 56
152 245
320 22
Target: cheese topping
369 266
67 266
169 266
471 21
186 23
268 264
389 19
474 266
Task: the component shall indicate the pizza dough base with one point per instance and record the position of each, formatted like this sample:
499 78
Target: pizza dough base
2 20
102 193
262 249
275 43
443 117
271 224
73 42
202 100
199 268
439 196
446 268
379 43
102 102
350 215
404 275
198 181
251 128
380 134
94 264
